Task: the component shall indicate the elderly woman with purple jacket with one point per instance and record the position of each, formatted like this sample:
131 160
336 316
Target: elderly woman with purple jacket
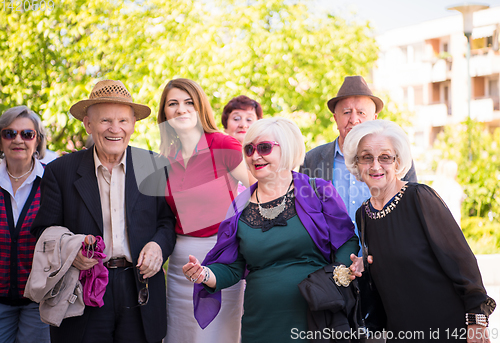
278 231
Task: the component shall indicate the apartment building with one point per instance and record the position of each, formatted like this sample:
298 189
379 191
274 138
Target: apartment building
424 68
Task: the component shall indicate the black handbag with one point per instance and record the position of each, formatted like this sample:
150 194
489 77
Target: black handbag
333 310
333 304
372 309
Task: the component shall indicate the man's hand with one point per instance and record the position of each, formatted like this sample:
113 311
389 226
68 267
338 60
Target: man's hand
84 263
150 260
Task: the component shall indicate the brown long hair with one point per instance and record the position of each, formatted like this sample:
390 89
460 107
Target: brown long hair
169 137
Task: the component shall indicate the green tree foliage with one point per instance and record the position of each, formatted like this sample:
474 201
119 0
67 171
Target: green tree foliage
276 52
480 178
480 175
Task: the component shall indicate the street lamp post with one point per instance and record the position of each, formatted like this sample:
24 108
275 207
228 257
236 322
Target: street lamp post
467 10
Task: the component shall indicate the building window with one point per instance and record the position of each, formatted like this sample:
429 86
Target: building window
494 94
482 43
446 91
418 94
478 90
436 96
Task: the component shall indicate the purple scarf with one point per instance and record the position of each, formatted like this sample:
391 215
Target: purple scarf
324 217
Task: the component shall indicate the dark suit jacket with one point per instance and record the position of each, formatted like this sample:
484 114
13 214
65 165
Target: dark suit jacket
319 163
70 198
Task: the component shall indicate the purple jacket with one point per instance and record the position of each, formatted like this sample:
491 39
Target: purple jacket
324 217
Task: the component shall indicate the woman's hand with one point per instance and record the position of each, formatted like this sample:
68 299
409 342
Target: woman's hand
193 271
357 265
477 334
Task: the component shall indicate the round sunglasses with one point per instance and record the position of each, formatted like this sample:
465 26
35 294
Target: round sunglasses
263 148
26 135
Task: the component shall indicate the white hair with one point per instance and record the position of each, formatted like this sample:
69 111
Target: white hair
384 128
13 113
286 133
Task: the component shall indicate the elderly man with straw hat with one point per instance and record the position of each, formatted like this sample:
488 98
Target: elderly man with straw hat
353 105
95 192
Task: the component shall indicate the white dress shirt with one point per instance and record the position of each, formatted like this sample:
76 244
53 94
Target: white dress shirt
19 199
112 193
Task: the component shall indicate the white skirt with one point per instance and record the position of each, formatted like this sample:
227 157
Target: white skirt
182 327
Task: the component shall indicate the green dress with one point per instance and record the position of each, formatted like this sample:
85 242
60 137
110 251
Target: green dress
279 254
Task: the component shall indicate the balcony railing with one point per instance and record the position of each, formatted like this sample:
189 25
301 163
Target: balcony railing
482 109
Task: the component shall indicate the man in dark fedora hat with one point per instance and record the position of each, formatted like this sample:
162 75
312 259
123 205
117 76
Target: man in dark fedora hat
95 192
353 105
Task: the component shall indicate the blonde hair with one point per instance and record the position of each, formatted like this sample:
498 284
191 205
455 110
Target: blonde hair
286 133
202 106
384 128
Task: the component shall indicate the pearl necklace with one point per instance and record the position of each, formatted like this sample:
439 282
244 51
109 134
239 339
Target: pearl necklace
16 178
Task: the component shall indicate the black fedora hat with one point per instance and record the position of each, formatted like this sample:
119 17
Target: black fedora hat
355 86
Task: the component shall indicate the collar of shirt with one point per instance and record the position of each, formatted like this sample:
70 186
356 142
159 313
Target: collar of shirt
97 162
352 191
5 180
337 150
203 144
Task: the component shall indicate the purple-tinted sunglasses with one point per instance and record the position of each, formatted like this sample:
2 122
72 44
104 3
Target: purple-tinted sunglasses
263 148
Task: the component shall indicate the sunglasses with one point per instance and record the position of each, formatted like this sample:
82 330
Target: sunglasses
263 148
26 135
143 297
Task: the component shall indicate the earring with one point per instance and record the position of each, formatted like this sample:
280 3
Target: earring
36 154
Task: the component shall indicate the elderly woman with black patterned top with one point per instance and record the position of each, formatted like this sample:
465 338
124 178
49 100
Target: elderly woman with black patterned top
422 266
22 145
281 232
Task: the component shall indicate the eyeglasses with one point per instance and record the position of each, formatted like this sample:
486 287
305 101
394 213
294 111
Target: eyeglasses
26 135
263 148
382 159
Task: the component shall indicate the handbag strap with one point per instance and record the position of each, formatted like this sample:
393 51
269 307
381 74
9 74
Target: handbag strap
364 245
362 232
312 182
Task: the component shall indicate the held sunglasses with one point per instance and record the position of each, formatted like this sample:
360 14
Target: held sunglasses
263 148
26 135
143 297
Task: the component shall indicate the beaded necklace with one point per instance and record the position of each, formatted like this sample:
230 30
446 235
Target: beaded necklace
386 210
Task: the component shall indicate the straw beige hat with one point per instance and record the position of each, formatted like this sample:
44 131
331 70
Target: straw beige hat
109 91
355 86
